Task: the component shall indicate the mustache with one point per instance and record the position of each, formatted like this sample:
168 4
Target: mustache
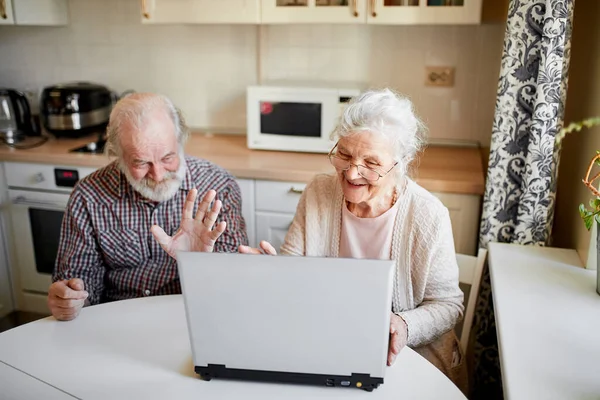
152 184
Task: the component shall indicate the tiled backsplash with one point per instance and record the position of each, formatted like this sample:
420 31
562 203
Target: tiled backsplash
206 68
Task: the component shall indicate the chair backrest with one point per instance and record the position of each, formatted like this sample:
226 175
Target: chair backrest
470 271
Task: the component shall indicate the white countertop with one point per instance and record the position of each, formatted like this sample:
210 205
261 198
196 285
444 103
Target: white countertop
548 322
140 349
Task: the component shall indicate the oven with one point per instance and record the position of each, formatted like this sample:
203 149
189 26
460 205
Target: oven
38 196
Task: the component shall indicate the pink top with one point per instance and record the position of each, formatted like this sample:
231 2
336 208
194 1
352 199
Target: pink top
367 237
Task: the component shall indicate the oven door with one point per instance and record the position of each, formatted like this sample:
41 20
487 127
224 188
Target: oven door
36 219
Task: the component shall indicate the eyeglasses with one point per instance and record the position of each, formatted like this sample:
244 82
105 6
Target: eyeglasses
366 172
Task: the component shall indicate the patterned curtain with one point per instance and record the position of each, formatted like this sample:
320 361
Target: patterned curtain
518 204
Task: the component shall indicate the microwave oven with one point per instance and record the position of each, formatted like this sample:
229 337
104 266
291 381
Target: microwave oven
294 116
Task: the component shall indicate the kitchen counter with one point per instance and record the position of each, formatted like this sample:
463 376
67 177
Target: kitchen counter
440 169
547 322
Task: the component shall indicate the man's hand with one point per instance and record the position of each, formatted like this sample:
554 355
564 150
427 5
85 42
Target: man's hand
194 234
264 248
398 338
66 298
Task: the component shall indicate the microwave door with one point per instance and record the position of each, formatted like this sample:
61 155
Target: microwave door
291 119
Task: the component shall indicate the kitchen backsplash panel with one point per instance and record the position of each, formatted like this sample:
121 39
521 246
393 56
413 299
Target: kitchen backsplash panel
205 68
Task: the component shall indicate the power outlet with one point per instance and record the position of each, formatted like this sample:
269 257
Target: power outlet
439 76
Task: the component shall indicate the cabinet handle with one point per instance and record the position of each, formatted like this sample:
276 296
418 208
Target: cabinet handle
373 7
3 9
354 8
295 190
145 12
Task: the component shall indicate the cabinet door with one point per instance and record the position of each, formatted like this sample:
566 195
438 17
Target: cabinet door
6 13
38 12
280 197
465 213
201 11
247 189
6 298
414 12
6 302
313 11
272 227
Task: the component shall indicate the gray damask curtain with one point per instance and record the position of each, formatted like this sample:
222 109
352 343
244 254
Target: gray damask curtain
518 204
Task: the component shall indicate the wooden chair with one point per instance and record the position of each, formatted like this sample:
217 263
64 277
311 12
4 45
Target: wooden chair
470 272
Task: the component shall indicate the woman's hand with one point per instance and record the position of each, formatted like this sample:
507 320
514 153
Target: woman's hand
264 248
194 233
398 338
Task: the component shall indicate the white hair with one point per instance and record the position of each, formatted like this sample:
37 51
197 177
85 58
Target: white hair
391 115
135 110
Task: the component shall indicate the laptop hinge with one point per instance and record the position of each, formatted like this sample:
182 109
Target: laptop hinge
361 381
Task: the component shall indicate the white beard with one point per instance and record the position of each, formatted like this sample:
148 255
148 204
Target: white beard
157 191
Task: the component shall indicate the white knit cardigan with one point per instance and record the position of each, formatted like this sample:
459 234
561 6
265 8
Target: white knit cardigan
426 292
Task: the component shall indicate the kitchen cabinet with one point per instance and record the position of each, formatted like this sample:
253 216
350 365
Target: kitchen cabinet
247 191
280 197
465 211
273 227
34 12
6 13
313 11
424 12
276 204
6 298
200 11
388 12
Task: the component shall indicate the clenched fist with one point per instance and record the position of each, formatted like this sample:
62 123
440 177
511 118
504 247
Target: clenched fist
66 298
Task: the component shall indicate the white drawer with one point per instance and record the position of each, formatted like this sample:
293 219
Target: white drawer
38 176
278 196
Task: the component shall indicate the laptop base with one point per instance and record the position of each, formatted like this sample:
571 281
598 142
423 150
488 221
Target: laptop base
361 381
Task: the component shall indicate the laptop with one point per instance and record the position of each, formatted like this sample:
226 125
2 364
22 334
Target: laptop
311 320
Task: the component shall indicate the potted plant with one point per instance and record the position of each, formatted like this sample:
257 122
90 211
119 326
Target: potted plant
593 214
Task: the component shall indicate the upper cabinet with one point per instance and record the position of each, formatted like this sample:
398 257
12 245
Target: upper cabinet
389 12
34 12
414 12
200 11
313 11
6 13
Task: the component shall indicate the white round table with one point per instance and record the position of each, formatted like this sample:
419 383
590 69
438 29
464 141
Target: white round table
140 349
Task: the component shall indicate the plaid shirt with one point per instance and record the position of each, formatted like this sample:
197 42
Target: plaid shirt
106 240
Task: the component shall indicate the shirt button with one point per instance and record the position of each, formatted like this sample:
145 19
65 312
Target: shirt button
147 292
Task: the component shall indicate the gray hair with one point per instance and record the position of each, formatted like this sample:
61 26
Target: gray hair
135 110
391 115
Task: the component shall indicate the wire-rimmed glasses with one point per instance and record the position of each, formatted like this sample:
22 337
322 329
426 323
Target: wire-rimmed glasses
368 173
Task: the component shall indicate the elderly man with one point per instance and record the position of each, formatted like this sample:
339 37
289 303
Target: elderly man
125 221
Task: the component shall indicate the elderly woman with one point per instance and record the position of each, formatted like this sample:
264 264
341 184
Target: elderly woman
370 208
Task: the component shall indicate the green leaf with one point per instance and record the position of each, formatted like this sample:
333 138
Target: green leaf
596 204
582 211
588 220
597 218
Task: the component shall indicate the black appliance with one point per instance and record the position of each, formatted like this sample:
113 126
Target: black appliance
76 109
15 117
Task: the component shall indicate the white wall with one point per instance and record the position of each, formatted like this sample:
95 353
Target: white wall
583 101
206 68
